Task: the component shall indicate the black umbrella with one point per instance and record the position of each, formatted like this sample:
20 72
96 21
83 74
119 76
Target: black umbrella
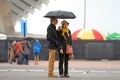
61 14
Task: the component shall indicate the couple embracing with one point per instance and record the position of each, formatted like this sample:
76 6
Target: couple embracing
57 42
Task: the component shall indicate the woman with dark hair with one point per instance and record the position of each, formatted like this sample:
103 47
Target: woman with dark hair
26 49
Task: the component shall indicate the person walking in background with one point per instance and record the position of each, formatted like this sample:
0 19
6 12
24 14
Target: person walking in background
64 39
36 50
52 46
19 52
26 49
12 51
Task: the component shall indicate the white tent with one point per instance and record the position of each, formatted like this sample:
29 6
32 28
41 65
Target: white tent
3 36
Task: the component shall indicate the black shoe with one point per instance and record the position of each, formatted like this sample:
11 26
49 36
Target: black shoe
67 76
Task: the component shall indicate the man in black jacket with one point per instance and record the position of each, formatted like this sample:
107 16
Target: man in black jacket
52 46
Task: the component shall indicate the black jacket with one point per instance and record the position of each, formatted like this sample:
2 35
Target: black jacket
52 37
63 41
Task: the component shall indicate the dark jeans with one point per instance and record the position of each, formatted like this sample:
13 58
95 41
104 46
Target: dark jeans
63 61
26 56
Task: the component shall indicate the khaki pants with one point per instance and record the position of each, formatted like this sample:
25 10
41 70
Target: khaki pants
52 54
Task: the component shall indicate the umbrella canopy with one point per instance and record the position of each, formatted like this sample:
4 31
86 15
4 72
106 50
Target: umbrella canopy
113 36
61 14
88 34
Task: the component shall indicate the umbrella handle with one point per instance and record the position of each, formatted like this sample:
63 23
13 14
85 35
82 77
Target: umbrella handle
58 22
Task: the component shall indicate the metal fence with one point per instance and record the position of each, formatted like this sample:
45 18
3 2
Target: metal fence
83 49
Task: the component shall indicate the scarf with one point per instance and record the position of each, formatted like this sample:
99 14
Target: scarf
65 30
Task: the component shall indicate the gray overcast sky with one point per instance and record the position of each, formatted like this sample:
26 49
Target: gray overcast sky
102 15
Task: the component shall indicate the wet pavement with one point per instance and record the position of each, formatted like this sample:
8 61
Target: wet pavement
78 70
73 64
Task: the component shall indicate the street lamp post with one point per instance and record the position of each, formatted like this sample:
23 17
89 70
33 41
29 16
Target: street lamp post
84 25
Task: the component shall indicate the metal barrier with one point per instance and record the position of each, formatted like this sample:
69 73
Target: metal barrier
83 49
